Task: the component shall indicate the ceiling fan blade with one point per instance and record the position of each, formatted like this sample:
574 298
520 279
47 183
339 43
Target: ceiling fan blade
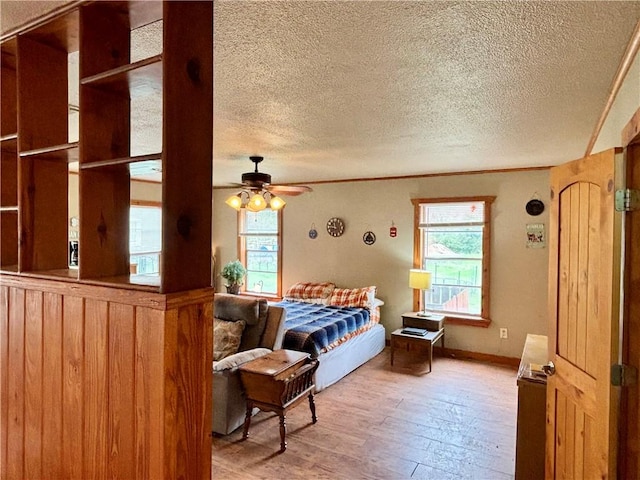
291 190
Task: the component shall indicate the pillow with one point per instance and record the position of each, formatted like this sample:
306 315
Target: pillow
226 337
310 292
237 307
353 297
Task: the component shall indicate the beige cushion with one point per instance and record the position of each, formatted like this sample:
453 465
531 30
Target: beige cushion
233 361
226 337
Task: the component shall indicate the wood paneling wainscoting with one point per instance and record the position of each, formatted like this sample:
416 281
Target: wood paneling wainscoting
100 382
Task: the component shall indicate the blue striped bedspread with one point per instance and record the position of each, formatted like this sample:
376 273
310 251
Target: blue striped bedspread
311 327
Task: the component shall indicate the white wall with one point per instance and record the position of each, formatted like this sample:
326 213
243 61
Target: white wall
518 274
625 105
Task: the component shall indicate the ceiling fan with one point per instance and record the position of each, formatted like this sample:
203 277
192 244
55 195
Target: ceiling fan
258 193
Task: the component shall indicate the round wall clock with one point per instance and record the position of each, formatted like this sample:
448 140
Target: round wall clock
335 227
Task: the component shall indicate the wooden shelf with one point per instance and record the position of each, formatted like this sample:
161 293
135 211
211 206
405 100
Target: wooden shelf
152 157
144 283
9 142
135 79
67 152
130 282
8 268
58 274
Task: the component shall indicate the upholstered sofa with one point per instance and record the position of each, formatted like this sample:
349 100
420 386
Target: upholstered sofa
263 332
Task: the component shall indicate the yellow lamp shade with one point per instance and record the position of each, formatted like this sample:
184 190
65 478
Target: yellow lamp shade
257 203
276 203
234 201
419 279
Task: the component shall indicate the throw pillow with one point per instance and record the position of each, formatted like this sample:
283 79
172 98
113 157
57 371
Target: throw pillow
353 297
310 292
226 337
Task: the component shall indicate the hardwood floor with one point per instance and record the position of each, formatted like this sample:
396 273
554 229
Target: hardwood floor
381 422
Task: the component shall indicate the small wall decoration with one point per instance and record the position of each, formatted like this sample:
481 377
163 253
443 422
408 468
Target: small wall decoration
535 235
393 231
313 233
73 231
534 207
335 227
369 238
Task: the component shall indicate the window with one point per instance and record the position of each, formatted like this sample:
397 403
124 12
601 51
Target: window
145 239
452 241
260 252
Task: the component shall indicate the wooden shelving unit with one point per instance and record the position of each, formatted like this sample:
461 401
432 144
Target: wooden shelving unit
8 158
126 390
34 210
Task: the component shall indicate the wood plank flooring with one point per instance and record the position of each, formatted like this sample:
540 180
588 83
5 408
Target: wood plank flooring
383 422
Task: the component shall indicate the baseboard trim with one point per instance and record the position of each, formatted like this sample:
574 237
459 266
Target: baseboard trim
467 355
483 357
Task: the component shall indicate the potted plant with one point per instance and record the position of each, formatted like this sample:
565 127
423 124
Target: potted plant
233 272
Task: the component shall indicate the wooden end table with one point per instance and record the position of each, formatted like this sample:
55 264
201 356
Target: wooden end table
277 382
409 342
432 322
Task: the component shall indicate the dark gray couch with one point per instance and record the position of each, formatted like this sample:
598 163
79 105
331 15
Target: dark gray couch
263 333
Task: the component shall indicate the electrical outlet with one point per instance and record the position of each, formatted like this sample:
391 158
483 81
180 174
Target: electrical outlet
504 333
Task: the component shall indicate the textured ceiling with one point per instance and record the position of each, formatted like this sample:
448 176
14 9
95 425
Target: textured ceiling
356 89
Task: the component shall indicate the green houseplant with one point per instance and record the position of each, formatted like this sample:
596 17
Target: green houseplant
233 272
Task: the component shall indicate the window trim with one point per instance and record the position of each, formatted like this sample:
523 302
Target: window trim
484 319
243 257
148 204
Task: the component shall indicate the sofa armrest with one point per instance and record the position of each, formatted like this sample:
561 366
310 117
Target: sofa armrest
273 334
233 361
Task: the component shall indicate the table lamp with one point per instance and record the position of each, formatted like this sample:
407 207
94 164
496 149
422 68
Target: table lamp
420 280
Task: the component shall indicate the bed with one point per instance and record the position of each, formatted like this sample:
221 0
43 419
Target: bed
339 326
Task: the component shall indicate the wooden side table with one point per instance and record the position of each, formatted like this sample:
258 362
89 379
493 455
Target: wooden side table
409 343
433 322
277 382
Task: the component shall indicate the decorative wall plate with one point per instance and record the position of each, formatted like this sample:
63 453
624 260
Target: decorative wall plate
369 238
313 233
335 227
534 207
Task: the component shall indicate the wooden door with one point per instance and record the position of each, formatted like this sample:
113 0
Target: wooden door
584 315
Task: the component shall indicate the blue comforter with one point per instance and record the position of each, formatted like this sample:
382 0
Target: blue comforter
312 327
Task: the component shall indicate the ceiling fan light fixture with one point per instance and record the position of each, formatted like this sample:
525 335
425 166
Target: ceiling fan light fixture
276 203
234 201
258 193
257 203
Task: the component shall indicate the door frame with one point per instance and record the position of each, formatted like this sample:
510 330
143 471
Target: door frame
629 447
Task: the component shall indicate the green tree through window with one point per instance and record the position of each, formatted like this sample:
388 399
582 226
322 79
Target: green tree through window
452 242
260 250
